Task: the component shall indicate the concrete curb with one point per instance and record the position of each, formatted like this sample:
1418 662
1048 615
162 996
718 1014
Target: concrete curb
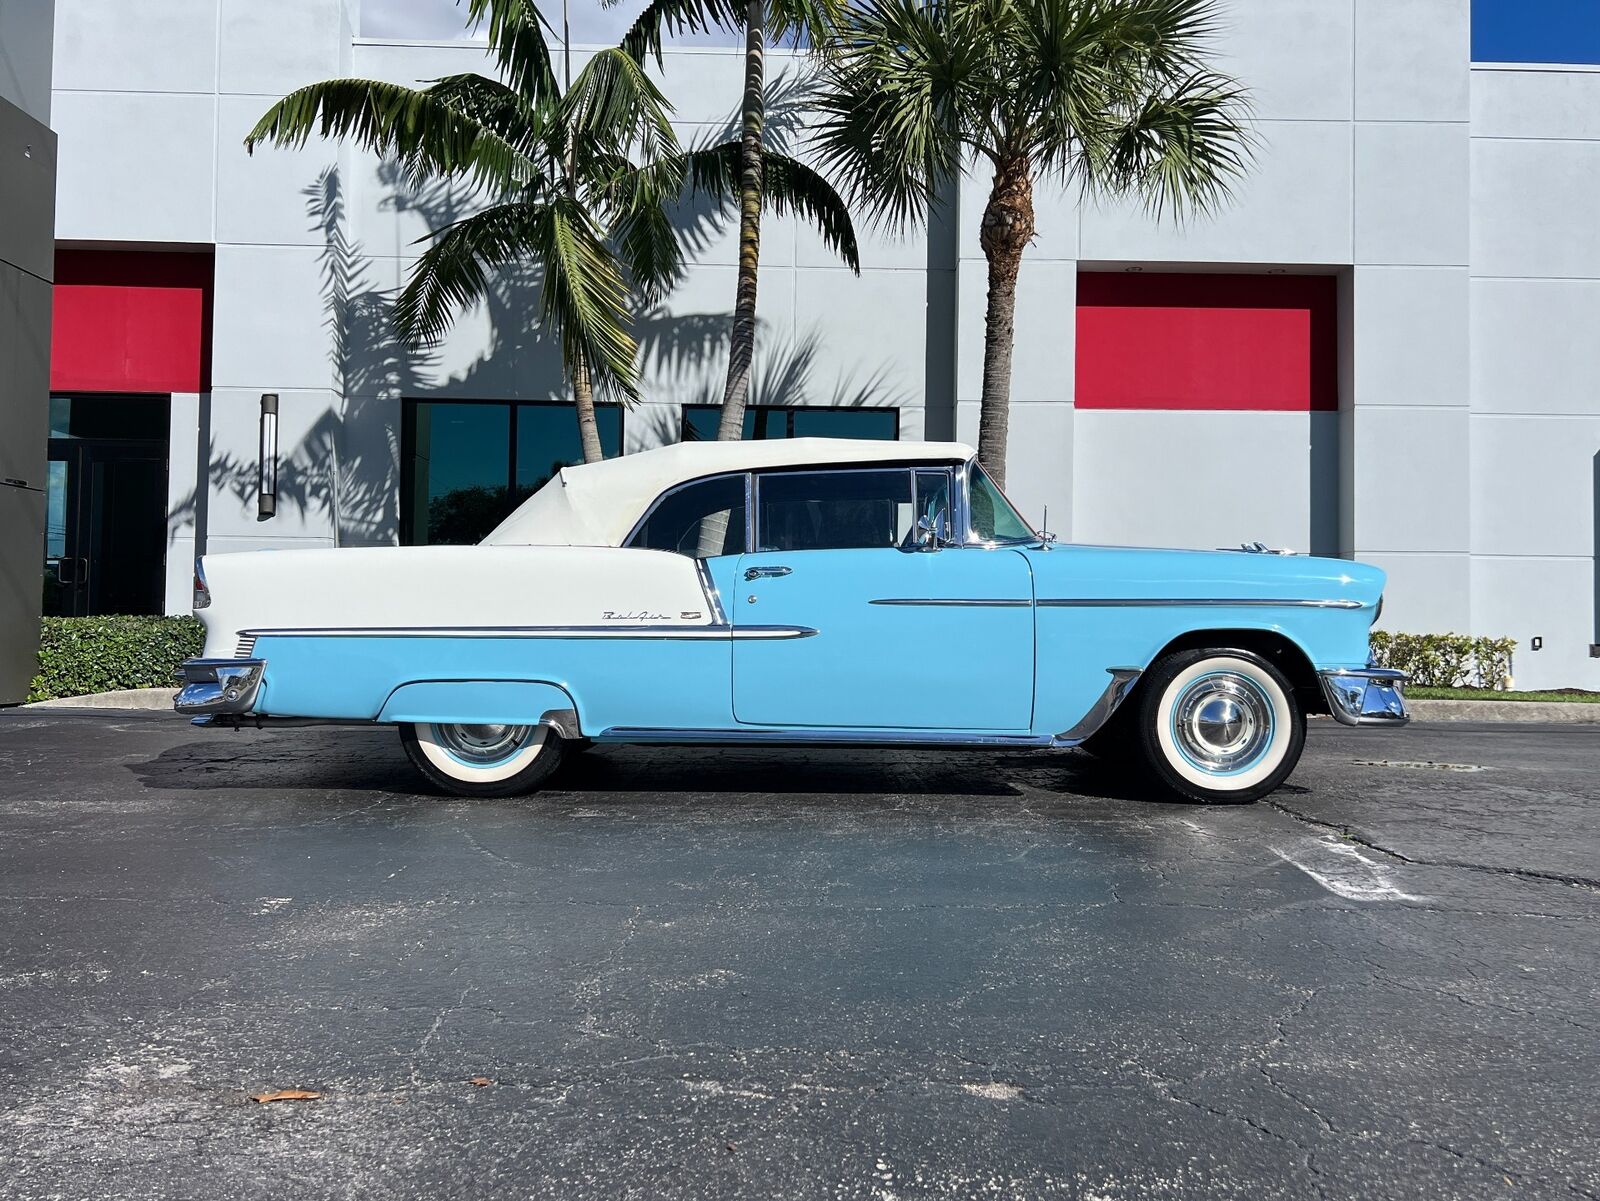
1569 712
127 698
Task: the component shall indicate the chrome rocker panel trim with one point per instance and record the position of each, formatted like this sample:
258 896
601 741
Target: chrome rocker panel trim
218 686
1368 697
561 722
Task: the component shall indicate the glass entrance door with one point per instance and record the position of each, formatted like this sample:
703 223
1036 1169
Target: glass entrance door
106 514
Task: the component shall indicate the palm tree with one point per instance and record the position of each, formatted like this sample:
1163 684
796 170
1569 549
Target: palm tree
1112 95
556 165
748 168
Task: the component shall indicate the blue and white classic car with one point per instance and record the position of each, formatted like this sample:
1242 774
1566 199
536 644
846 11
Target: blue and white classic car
802 592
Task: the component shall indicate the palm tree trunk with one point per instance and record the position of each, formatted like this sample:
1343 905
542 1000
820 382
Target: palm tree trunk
1007 230
741 348
583 399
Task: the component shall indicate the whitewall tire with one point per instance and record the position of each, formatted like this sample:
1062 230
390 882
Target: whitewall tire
1219 725
483 760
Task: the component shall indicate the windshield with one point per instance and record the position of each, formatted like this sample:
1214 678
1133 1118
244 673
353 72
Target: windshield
992 517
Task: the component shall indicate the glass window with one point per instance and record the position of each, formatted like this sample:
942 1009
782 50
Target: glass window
763 422
702 519
831 510
993 518
469 463
933 499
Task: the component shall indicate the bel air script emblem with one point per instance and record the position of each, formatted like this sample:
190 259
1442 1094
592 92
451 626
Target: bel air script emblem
633 615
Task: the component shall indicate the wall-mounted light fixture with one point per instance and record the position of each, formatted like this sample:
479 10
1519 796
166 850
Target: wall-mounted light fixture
267 467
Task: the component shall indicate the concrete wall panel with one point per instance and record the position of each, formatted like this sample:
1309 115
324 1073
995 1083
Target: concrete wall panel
1295 58
1411 60
151 46
1552 599
1525 357
274 197
1410 479
26 34
271 306
1411 189
1536 102
271 49
1199 479
1411 325
1426 594
1536 485
135 167
1294 207
1533 208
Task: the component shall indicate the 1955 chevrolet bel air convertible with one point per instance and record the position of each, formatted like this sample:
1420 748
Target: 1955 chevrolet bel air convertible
811 591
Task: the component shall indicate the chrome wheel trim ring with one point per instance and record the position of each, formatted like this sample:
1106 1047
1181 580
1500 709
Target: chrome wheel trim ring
483 745
1222 722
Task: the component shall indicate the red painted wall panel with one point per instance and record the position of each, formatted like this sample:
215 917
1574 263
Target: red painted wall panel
131 321
1177 341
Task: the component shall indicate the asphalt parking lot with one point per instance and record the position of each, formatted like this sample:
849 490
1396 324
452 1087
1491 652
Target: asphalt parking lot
822 975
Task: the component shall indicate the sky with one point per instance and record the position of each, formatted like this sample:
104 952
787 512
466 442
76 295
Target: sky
1536 31
444 20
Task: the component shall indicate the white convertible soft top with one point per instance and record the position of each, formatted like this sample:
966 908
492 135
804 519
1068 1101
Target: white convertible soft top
597 504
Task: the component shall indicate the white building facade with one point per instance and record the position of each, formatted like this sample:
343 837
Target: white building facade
1384 348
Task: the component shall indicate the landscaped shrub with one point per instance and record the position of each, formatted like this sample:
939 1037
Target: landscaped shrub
79 655
1447 660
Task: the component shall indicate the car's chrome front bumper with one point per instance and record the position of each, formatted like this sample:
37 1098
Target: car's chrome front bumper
212 686
1368 697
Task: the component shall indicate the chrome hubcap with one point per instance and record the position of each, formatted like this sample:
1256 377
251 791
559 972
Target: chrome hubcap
1222 722
486 744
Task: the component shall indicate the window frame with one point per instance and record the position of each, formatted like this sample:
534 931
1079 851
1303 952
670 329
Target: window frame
649 512
960 475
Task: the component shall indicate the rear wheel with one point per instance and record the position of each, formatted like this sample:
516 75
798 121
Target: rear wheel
483 760
1219 725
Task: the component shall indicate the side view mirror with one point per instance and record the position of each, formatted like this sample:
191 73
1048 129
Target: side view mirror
933 532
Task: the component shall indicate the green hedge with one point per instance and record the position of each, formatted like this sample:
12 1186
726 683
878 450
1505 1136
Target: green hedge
1447 660
80 655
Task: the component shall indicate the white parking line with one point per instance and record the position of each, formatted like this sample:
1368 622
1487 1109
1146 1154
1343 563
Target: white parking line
1343 870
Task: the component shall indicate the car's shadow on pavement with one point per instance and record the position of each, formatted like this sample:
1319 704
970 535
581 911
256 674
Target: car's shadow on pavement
362 763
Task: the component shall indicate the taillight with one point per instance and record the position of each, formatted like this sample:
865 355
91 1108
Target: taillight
202 594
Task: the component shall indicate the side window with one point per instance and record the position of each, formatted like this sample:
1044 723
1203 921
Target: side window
702 519
835 510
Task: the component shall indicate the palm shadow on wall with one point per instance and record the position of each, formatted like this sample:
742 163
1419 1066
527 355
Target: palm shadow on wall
344 473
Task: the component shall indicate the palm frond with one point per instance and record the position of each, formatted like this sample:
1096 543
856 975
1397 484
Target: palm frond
425 134
516 39
663 18
582 291
788 186
613 104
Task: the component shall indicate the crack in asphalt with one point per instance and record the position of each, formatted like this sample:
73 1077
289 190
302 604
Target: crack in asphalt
1347 831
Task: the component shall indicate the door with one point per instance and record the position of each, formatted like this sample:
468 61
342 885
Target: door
906 637
105 520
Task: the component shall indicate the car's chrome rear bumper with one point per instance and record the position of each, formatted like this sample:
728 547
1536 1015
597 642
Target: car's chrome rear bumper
1368 697
212 686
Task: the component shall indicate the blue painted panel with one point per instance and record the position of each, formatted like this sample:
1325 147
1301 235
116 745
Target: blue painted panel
1077 645
1535 31
887 666
612 681
473 701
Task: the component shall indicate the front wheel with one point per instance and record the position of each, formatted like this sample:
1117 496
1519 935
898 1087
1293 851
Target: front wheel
483 760
1219 725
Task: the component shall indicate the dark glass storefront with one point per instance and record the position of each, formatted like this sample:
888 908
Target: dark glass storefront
106 505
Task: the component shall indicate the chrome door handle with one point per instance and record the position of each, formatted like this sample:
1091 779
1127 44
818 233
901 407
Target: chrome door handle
765 573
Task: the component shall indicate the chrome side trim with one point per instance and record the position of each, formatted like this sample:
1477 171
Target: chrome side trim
705 633
713 597
215 686
963 601
822 736
1122 681
1255 602
1371 696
